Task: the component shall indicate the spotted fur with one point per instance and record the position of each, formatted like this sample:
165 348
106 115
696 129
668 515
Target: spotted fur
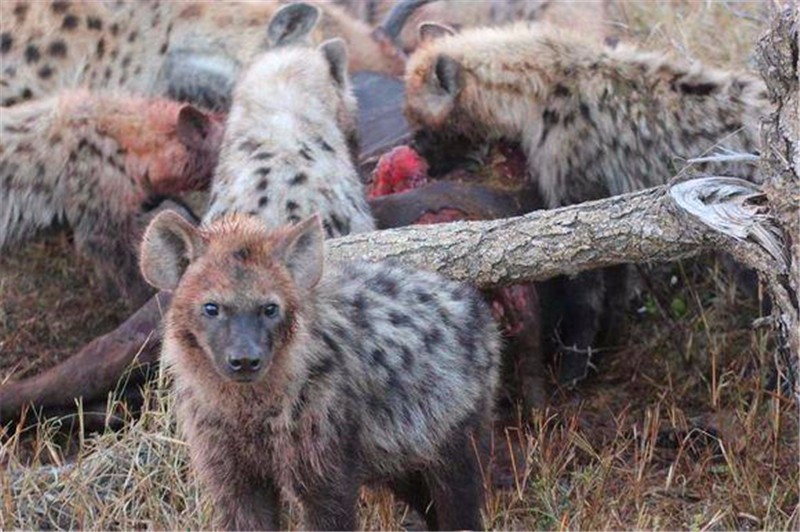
369 373
593 122
96 161
159 48
289 143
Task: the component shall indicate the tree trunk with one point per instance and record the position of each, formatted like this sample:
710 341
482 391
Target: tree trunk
780 162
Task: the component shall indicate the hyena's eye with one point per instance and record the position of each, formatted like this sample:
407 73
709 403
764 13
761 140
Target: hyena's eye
211 310
270 310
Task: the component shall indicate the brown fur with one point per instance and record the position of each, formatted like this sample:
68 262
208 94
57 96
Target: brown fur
367 373
98 161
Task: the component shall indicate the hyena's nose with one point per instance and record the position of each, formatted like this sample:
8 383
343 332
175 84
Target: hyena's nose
243 363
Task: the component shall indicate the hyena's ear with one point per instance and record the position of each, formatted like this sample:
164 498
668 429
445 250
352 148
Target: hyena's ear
447 75
302 251
335 52
430 31
170 243
292 23
194 127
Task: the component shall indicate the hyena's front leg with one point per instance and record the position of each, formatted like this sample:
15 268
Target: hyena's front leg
330 502
243 499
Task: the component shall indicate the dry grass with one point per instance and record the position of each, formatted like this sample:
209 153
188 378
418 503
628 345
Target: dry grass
678 431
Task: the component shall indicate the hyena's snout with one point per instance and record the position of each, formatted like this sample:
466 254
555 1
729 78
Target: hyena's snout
247 351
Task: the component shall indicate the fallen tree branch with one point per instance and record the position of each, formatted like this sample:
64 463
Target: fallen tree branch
645 226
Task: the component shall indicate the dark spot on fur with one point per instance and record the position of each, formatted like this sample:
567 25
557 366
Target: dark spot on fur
262 156
241 254
328 228
163 49
585 111
561 91
107 73
26 94
400 320
342 226
333 346
57 49
188 339
252 212
697 89
408 358
249 146
101 48
20 10
126 61
132 36
5 42
306 154
383 284
59 6
263 184
321 368
324 145
45 72
298 179
94 23
292 206
114 29
423 297
70 22
379 358
432 337
32 54
262 201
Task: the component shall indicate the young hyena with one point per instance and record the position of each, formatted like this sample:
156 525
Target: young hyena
97 162
593 122
289 143
314 379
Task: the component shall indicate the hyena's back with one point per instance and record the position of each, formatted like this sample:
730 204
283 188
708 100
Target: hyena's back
420 352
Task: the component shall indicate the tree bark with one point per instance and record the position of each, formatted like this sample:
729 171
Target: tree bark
780 162
644 226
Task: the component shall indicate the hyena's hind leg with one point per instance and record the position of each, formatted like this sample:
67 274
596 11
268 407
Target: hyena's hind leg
456 484
571 312
592 320
413 490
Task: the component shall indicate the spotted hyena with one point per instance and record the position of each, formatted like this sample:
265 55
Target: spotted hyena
310 379
290 140
180 49
97 162
593 122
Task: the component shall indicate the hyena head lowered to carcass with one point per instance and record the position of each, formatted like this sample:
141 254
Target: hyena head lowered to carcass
98 161
313 378
593 121
290 140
